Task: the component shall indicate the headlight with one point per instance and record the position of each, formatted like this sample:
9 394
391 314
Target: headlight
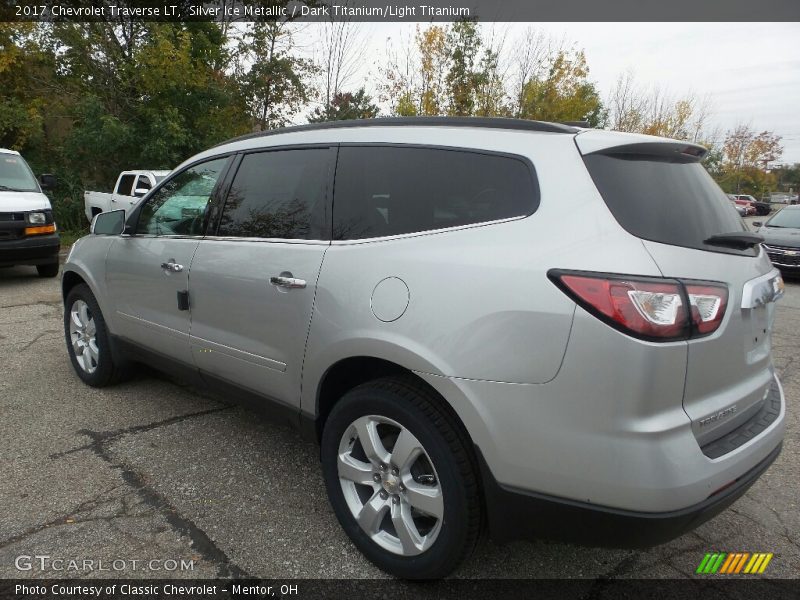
37 218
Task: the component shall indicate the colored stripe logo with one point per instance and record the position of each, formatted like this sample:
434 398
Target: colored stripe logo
734 563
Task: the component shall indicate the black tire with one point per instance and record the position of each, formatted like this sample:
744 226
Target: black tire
49 270
418 409
111 368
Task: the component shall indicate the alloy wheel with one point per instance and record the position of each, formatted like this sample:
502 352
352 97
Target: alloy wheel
390 485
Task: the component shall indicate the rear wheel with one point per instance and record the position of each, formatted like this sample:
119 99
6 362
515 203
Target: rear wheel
401 479
88 342
50 270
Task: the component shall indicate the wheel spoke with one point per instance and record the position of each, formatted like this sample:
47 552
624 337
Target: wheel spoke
370 440
77 345
406 529
406 450
355 470
83 313
91 328
427 499
76 320
371 514
94 353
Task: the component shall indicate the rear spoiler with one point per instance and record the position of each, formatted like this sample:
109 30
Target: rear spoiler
629 144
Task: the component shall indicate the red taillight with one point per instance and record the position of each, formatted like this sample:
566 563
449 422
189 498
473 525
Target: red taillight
648 308
708 304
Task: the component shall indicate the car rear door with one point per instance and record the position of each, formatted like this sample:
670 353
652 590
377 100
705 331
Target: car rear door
660 193
147 273
252 285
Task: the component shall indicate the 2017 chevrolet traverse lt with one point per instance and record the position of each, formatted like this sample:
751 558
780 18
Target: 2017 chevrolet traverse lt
488 324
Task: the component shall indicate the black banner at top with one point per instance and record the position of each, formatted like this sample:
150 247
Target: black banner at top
404 10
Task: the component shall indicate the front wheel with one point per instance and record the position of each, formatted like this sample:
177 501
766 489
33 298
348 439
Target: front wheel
88 341
401 478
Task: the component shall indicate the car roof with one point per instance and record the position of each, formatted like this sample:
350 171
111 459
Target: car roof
482 122
7 151
415 129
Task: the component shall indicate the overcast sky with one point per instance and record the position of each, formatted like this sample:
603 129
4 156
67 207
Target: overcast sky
751 71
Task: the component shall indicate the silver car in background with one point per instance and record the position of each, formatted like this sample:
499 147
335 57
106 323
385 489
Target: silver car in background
487 324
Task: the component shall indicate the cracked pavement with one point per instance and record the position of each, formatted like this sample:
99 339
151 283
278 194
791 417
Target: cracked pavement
153 469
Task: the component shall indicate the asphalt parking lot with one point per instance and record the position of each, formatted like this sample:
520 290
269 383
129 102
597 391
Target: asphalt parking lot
154 470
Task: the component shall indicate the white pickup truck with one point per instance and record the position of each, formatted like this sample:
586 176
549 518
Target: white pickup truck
130 187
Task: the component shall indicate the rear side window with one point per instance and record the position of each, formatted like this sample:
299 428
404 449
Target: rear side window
665 200
125 187
388 190
143 183
278 194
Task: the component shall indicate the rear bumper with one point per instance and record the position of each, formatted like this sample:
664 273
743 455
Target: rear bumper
33 250
516 514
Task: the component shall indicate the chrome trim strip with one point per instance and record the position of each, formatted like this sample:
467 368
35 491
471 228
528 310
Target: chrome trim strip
201 344
762 290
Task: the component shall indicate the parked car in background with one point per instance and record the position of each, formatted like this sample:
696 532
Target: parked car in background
781 236
131 186
27 229
748 207
742 210
778 198
762 208
414 295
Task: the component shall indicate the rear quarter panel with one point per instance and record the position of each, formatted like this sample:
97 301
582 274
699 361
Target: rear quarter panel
480 304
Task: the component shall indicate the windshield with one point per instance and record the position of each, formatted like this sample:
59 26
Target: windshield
15 175
786 218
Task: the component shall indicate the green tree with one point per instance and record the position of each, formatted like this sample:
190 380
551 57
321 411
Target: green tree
747 156
345 106
564 94
464 75
276 84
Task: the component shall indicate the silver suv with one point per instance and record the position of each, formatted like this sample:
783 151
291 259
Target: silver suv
521 327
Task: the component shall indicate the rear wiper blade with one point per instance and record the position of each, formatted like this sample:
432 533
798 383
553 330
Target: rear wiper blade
736 239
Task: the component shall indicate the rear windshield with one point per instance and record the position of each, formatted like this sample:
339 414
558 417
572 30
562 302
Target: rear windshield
665 200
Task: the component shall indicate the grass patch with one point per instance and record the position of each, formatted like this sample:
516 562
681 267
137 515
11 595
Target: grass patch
68 236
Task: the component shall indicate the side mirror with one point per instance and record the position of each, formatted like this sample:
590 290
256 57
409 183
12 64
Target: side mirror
48 182
140 192
757 223
109 223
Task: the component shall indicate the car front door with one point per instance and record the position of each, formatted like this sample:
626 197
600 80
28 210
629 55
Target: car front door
147 272
252 285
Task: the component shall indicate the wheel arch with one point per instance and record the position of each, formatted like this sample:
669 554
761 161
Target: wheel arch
349 372
69 280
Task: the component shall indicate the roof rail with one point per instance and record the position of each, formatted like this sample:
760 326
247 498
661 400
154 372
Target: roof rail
488 122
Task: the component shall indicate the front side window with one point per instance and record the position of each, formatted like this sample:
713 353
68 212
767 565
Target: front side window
389 190
125 187
278 194
180 206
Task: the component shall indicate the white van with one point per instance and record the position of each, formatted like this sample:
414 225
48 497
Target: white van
27 228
